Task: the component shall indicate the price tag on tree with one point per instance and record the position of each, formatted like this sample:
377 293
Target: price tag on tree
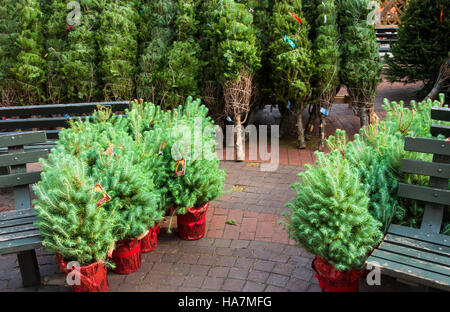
180 167
98 188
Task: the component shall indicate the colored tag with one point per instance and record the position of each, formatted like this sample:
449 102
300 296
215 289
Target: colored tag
229 119
325 19
180 168
291 43
109 151
70 27
295 16
324 111
288 106
98 188
442 12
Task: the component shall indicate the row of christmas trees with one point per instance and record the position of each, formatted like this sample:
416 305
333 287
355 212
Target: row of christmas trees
291 52
111 178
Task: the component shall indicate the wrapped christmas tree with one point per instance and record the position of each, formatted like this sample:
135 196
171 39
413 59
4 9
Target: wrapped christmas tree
291 60
156 37
325 36
360 61
117 39
30 67
9 30
235 59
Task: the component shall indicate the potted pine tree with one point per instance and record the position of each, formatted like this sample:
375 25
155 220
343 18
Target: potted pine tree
71 222
330 204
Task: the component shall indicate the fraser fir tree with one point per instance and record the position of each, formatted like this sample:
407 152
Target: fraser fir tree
325 37
423 43
69 220
81 55
361 64
56 44
184 68
235 58
331 202
291 60
117 38
156 36
30 67
9 30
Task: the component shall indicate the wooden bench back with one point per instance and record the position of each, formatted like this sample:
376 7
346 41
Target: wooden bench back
437 194
13 164
49 117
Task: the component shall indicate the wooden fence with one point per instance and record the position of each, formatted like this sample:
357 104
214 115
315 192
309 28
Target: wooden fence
391 12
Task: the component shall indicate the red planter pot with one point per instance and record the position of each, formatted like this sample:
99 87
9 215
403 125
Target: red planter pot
192 225
92 278
332 280
150 241
127 256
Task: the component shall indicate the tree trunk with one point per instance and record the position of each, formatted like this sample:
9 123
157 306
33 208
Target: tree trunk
300 130
364 116
321 132
240 153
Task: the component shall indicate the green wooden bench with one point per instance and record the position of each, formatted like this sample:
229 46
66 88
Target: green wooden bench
49 118
422 256
17 232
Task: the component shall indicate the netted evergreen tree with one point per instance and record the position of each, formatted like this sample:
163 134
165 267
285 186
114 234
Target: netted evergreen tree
80 55
422 45
235 59
117 38
30 67
292 61
360 62
9 30
324 35
69 220
183 73
55 44
331 202
156 37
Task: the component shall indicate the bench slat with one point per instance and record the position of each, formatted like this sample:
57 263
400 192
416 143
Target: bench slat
20 221
11 159
51 134
20 245
17 214
79 108
432 169
17 229
412 262
29 123
25 234
440 129
403 271
420 245
19 179
438 239
22 139
440 113
414 253
430 146
424 193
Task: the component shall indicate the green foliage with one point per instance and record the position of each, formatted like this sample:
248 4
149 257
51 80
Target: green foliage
68 218
117 39
156 37
361 64
292 68
423 43
30 67
330 216
233 41
9 29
